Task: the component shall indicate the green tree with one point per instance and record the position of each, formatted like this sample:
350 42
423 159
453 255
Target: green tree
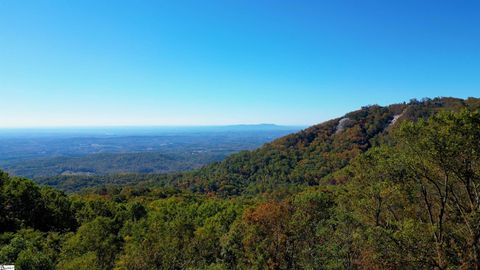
99 237
31 260
415 204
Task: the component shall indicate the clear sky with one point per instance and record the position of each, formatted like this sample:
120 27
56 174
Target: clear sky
69 63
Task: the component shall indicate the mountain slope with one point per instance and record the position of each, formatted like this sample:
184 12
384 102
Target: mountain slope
310 155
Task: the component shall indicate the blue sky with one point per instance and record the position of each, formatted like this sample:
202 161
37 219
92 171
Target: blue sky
89 63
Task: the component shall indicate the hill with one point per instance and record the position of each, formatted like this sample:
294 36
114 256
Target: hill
306 158
313 154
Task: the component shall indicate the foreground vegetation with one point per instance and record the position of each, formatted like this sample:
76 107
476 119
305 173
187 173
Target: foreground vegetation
408 199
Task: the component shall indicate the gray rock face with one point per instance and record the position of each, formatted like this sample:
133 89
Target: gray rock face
395 118
343 124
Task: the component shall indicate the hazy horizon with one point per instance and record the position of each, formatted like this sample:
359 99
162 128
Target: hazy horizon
140 126
73 127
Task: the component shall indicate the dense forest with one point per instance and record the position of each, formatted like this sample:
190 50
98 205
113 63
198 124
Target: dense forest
394 187
114 163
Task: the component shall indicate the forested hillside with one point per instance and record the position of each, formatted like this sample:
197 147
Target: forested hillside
312 155
306 158
392 187
111 163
